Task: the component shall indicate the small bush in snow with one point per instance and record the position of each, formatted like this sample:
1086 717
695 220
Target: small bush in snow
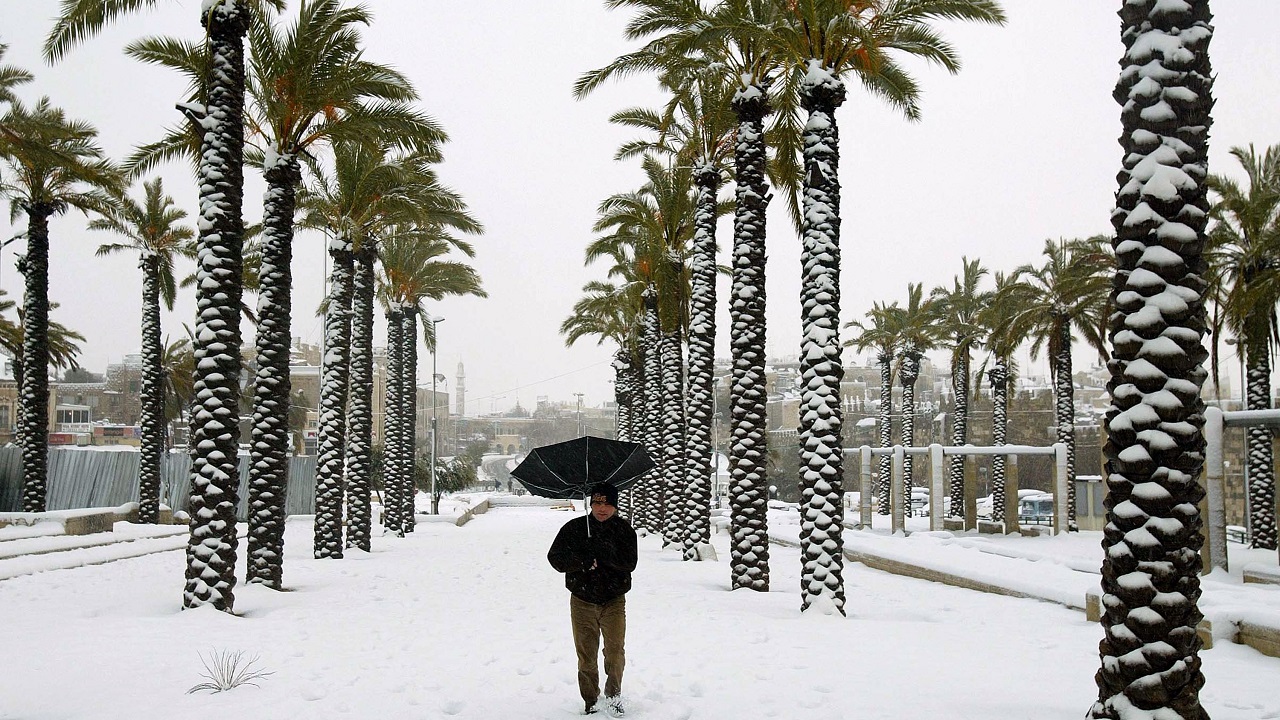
225 670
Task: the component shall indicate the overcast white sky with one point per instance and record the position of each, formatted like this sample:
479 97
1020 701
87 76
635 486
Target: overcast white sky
1019 147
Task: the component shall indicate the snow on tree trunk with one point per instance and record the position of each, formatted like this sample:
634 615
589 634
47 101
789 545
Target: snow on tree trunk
392 445
335 375
623 395
1260 467
702 341
959 431
151 394
1065 415
269 444
910 373
652 491
998 375
409 416
215 433
1150 664
674 459
34 267
360 417
749 451
821 453
886 431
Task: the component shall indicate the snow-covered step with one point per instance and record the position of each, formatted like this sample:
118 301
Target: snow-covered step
123 532
77 557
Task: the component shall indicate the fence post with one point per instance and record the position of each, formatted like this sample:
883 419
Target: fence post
897 524
1214 506
937 474
866 489
1060 481
970 492
1011 494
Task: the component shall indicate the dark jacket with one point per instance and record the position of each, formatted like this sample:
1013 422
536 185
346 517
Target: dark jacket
611 545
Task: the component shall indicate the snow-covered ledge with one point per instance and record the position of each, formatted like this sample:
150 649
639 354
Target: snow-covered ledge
84 521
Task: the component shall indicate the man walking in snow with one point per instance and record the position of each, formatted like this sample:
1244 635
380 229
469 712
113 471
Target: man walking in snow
597 553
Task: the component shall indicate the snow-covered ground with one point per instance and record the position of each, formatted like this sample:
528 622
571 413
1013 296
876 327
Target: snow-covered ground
471 622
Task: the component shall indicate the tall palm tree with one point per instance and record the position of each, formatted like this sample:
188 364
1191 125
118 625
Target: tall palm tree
882 333
219 110
920 333
310 85
992 321
153 229
1150 663
1243 246
958 308
1066 294
827 40
53 164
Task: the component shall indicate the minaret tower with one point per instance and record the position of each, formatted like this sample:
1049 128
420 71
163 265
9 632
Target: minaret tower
461 389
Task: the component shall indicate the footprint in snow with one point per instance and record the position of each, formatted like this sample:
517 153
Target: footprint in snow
452 707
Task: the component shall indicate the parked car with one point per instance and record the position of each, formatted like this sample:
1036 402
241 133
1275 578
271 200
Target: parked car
1035 509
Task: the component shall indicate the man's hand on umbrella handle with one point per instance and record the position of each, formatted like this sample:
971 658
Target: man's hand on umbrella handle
593 565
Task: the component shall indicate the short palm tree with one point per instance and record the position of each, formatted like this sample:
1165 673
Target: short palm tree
1065 295
993 323
309 85
1243 246
958 308
1150 663
881 333
64 343
919 333
52 164
154 230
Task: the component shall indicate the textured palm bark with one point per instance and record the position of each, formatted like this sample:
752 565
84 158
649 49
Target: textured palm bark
1260 467
392 439
908 376
360 417
652 486
1065 416
998 375
959 432
409 416
702 342
269 440
1150 662
821 450
885 426
215 433
674 459
34 267
749 450
335 376
623 396
151 392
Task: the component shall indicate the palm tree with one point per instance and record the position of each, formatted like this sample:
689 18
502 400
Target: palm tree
882 333
992 323
1067 293
1243 245
919 333
1150 663
53 165
219 111
309 84
11 76
64 343
958 308
153 230
826 40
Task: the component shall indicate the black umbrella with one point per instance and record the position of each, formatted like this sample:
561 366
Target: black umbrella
569 469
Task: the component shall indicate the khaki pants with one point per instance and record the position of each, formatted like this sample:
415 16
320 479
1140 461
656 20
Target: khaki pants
590 621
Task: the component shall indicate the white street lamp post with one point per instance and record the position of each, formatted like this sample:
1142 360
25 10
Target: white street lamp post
579 396
435 351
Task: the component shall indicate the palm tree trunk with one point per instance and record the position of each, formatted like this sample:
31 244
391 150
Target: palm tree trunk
392 432
749 491
623 395
652 487
674 458
152 394
998 376
702 342
409 416
215 474
959 432
821 450
910 373
1065 416
360 430
269 444
34 267
1150 663
886 431
1260 467
335 375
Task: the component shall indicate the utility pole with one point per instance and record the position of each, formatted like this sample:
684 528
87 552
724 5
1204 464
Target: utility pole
435 351
579 396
